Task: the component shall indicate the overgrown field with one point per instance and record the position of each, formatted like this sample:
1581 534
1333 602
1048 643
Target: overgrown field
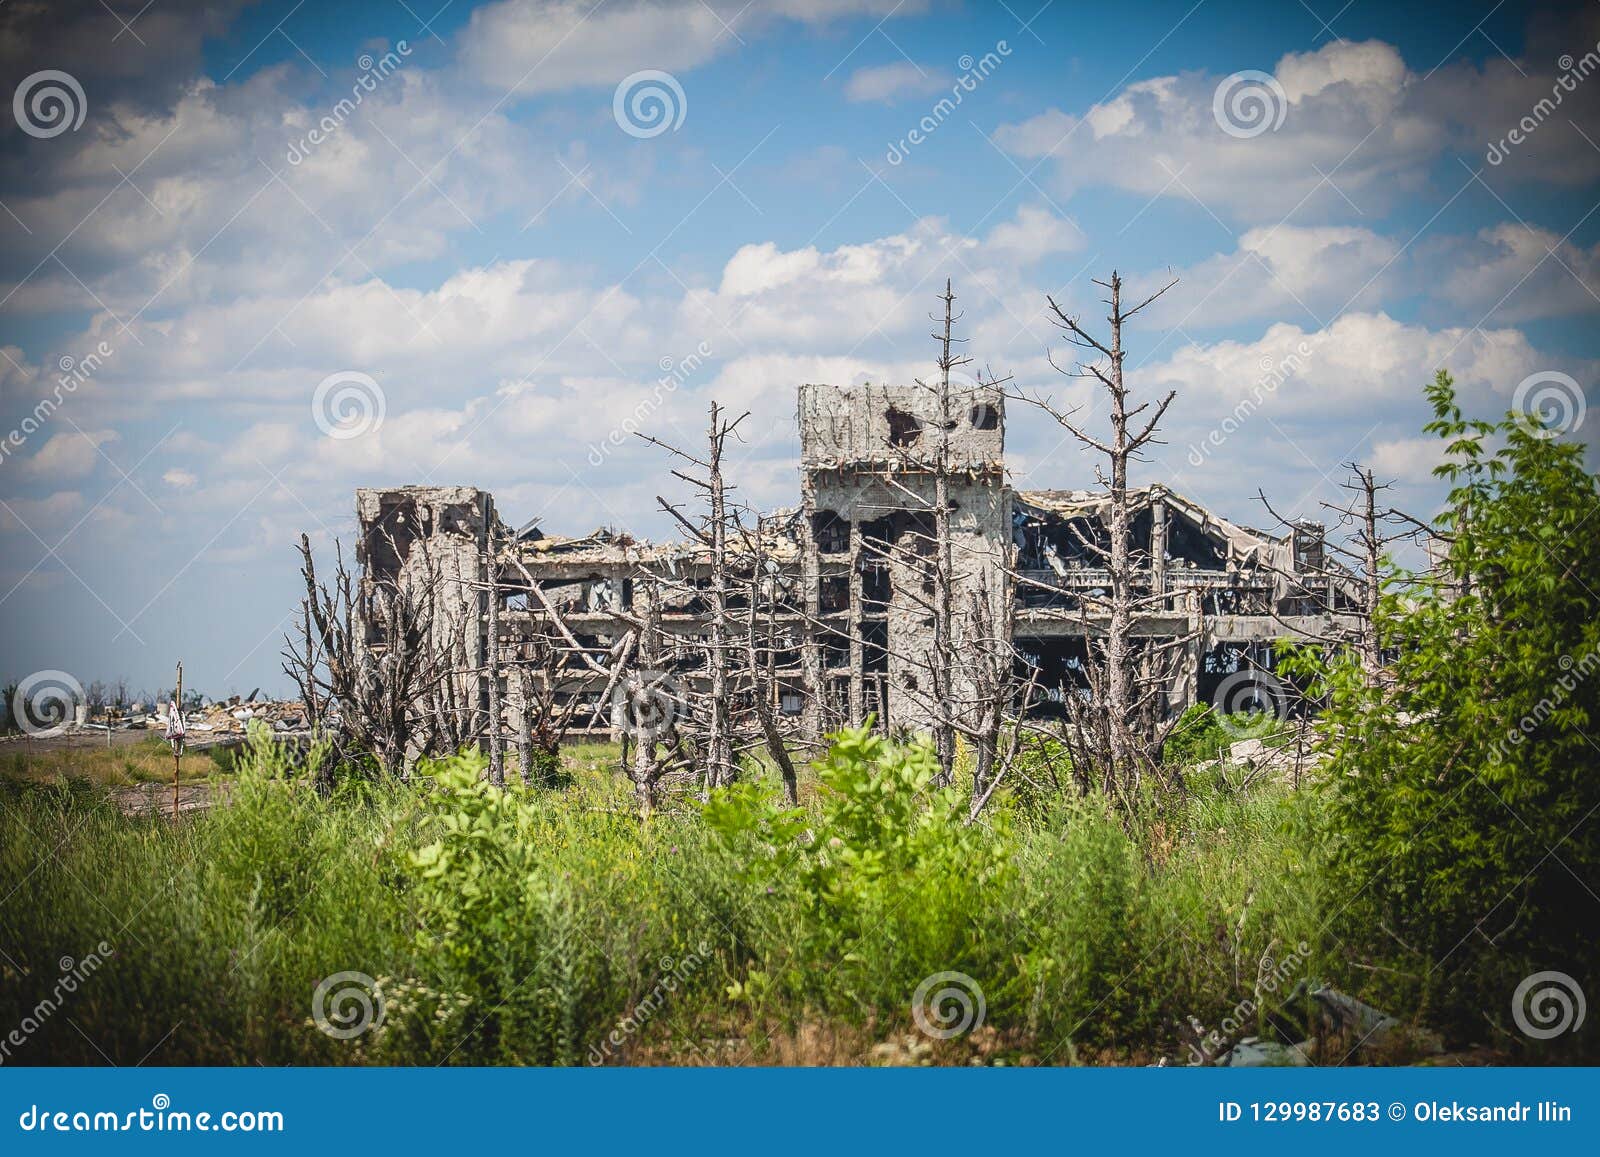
553 926
531 926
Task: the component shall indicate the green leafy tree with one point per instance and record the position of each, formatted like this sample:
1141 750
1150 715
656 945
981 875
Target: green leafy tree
1463 836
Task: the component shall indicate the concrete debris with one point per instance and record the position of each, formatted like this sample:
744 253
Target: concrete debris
1246 749
1311 1013
225 717
1255 1053
231 716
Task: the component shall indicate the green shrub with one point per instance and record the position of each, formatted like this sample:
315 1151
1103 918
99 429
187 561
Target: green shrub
1463 843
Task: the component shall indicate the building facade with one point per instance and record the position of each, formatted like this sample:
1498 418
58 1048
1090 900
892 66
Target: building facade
845 607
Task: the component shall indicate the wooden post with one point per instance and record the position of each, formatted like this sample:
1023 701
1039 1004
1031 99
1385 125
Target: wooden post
177 744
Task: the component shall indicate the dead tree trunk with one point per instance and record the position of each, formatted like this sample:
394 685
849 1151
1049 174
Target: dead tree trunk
497 749
522 704
1350 572
720 767
719 746
1128 749
944 736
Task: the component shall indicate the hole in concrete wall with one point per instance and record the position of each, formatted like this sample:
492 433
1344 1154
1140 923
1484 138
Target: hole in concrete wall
875 647
458 518
904 428
830 532
876 589
833 593
984 416
387 542
1056 665
1193 545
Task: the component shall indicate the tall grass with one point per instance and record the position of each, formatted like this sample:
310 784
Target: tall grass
554 927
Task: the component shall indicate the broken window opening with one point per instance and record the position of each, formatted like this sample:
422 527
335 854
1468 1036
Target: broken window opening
904 428
833 593
830 532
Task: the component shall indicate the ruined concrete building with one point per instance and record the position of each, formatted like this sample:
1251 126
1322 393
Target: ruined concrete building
844 596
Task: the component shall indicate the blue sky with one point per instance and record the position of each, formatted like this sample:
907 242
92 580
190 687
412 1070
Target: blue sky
482 242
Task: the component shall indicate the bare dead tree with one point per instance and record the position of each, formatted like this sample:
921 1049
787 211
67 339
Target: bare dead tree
1001 699
1115 735
944 740
497 745
374 654
649 702
763 591
933 553
1350 573
712 532
541 717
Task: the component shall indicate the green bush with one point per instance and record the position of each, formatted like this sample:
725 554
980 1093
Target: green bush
1464 845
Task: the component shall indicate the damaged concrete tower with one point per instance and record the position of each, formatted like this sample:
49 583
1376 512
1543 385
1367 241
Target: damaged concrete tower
438 536
869 460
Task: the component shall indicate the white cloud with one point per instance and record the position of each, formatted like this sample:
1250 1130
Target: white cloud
1407 459
1517 271
885 83
1034 234
67 456
180 479
1305 273
45 517
533 46
1358 133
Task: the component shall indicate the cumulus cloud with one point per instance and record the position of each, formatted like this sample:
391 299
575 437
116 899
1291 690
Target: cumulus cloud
886 83
1309 273
533 46
1344 131
1516 271
67 456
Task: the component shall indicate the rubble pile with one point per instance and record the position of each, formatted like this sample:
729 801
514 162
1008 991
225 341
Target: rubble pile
218 719
1256 756
235 715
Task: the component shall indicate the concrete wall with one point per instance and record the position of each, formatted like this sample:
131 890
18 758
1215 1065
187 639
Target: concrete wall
865 453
